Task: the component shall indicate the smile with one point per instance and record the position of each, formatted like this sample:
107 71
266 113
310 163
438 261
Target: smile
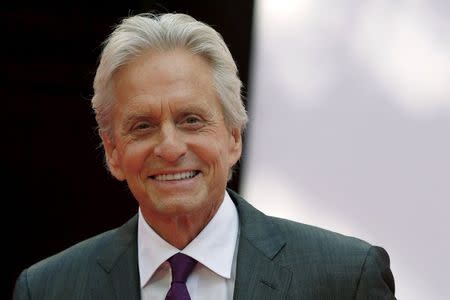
175 176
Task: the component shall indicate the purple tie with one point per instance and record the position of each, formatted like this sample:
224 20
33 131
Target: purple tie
182 265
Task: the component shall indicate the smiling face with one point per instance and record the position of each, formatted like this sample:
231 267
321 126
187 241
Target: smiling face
170 141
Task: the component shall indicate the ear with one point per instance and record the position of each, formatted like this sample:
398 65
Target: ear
235 145
112 157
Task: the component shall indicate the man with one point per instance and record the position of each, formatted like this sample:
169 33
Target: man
170 115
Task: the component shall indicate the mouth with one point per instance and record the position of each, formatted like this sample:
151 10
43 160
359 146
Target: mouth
176 176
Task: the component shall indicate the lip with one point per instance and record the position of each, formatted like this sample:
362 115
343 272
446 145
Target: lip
176 176
173 186
167 172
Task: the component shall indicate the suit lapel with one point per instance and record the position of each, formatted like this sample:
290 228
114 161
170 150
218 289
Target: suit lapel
258 276
120 263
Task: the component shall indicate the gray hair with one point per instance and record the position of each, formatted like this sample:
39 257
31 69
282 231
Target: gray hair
142 32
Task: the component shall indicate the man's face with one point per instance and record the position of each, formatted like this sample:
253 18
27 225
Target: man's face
170 141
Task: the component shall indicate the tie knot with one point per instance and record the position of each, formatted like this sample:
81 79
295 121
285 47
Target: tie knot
182 265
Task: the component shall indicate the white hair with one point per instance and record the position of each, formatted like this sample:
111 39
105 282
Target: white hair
143 32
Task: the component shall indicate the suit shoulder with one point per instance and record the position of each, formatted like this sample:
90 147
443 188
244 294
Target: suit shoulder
298 236
75 255
78 268
319 239
88 250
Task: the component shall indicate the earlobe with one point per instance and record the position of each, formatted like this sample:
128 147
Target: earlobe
112 157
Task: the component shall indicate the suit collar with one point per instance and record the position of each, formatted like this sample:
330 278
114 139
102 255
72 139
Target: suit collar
119 260
258 275
256 227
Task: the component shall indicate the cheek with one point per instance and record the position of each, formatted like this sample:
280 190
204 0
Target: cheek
134 155
212 152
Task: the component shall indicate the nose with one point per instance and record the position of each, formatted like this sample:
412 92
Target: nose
170 146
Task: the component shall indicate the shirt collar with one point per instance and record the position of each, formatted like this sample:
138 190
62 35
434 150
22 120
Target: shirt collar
213 247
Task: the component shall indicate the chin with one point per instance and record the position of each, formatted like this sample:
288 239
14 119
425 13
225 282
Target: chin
176 206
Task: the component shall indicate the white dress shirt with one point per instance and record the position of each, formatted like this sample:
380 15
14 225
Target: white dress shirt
215 249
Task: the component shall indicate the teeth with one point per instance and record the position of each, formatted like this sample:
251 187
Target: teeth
176 176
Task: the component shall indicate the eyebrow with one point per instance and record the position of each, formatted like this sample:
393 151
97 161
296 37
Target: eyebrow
153 114
195 109
135 115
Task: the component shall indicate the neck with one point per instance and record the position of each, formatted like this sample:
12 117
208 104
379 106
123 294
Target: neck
179 230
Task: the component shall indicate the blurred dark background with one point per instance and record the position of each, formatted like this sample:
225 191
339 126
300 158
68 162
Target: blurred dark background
56 189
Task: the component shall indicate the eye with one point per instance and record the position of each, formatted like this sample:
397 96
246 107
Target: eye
191 122
141 126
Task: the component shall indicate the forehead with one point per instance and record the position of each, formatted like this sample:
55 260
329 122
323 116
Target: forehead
170 76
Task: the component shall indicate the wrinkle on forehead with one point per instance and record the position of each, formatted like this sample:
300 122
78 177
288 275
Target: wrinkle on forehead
167 68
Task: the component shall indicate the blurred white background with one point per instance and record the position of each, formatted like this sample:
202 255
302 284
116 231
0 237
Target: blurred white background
350 127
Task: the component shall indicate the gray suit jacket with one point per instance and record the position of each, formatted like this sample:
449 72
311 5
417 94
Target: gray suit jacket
277 259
